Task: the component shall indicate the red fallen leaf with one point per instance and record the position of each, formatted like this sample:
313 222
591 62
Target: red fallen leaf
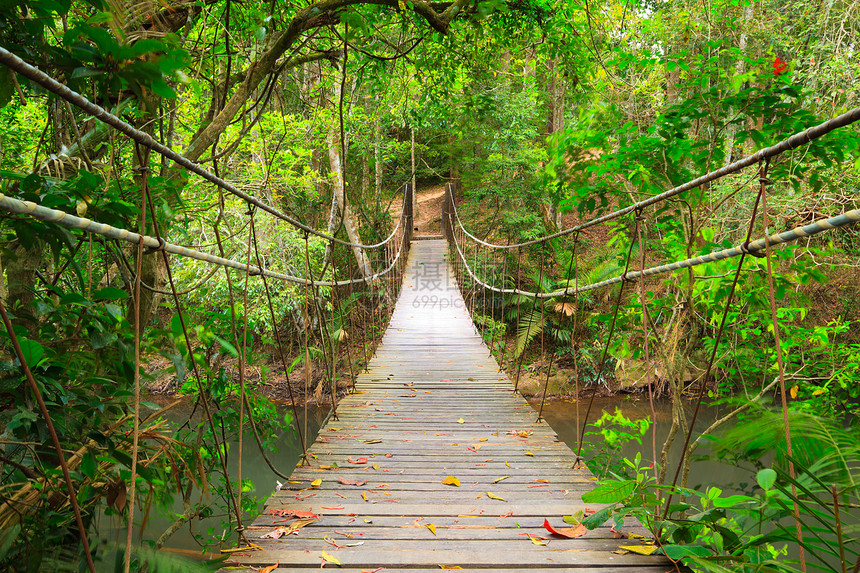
357 462
569 532
508 514
472 450
587 511
338 507
535 536
345 481
301 497
323 440
538 485
292 513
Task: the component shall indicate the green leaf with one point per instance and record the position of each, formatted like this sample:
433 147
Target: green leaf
74 298
681 551
88 465
766 478
32 351
597 518
733 500
228 347
611 492
110 293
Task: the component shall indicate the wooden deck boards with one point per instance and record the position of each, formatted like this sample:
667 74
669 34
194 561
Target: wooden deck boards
433 404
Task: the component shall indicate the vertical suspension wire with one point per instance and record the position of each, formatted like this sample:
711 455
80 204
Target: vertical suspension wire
363 310
307 352
504 344
334 344
143 163
763 183
204 398
243 358
528 328
492 315
487 281
351 298
649 376
552 354
519 313
717 339
573 348
473 294
282 356
602 363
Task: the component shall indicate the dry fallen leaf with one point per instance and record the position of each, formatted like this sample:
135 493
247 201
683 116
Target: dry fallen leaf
317 482
640 549
431 527
345 481
359 461
497 480
451 480
494 496
461 421
569 532
270 568
331 559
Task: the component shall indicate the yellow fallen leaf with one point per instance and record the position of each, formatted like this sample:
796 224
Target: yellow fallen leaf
364 496
507 464
497 480
793 392
368 520
537 541
528 454
451 480
461 421
317 482
494 496
450 567
330 558
640 549
249 547
375 466
485 439
431 527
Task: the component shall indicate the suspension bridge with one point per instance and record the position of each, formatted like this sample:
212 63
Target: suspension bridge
432 460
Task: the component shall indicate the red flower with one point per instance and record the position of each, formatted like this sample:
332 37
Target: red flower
779 66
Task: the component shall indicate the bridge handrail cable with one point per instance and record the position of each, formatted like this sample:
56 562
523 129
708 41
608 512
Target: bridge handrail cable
788 144
17 64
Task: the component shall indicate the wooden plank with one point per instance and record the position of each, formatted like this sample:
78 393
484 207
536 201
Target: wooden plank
433 404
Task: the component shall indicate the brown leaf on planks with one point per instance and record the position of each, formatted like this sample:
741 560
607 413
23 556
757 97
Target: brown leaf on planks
569 532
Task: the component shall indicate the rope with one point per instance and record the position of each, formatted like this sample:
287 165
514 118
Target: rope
154 244
752 248
788 144
15 63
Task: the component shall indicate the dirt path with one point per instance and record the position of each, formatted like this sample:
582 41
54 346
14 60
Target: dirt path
428 212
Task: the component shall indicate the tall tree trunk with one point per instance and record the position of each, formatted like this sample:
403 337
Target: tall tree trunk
740 68
377 159
339 207
21 270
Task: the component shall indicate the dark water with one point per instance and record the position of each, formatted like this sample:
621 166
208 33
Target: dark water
561 415
254 469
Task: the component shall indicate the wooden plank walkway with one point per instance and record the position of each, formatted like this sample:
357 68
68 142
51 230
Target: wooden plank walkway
433 405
